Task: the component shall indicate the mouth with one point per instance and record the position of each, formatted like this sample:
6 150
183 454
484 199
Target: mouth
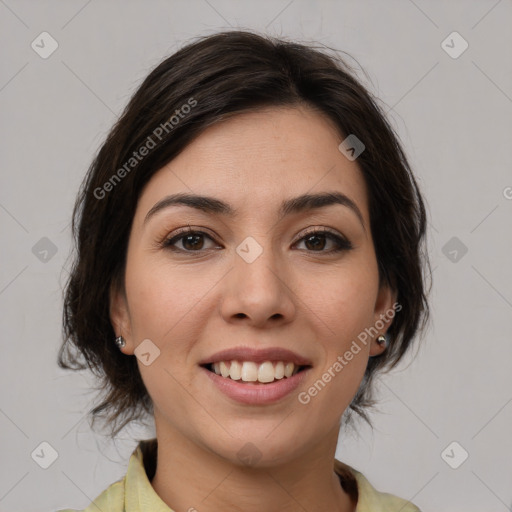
252 372
256 377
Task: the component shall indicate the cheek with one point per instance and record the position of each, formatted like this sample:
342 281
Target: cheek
162 297
344 300
165 307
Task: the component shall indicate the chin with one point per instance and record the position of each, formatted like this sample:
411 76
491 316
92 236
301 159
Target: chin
257 448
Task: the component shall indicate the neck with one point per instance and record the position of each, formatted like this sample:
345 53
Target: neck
307 482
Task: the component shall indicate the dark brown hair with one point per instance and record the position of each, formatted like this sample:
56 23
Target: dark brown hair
218 76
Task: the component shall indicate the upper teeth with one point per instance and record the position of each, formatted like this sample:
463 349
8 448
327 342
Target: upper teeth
249 371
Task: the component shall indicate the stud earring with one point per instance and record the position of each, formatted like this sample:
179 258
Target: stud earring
382 341
120 342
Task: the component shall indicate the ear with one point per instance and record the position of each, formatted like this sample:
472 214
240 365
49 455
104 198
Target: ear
383 315
120 316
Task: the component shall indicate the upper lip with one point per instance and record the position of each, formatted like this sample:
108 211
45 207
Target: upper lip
257 355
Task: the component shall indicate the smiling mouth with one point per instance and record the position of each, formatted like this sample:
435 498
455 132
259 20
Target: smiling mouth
257 373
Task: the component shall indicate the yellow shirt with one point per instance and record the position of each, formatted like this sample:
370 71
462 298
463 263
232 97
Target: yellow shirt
134 492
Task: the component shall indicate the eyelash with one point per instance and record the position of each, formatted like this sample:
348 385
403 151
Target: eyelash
342 243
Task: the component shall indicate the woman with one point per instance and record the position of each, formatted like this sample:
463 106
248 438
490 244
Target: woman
249 257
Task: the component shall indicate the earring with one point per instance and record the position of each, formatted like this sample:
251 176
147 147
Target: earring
120 342
382 341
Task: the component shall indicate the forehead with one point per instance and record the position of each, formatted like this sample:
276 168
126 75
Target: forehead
255 160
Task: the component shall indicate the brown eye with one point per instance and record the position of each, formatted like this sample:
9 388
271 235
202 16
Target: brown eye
191 241
315 241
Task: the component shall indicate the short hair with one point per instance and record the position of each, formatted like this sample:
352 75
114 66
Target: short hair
216 77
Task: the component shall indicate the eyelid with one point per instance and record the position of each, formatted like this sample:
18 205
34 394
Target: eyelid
322 229
310 230
343 243
168 240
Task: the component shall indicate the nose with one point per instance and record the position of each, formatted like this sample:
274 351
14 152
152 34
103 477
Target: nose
258 293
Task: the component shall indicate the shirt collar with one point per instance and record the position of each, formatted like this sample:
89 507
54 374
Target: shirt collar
139 494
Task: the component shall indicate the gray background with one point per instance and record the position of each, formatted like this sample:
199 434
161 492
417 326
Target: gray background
454 116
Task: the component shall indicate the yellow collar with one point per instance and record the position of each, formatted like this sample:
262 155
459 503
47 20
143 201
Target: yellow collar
134 493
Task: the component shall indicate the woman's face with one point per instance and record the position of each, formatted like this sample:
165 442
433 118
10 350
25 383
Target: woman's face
255 278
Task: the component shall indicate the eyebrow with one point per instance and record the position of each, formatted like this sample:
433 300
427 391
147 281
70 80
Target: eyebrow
294 205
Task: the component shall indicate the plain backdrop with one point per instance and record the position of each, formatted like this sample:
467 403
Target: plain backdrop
453 112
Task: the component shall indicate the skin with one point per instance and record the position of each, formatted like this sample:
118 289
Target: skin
294 295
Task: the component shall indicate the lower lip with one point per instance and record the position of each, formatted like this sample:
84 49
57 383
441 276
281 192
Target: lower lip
256 394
